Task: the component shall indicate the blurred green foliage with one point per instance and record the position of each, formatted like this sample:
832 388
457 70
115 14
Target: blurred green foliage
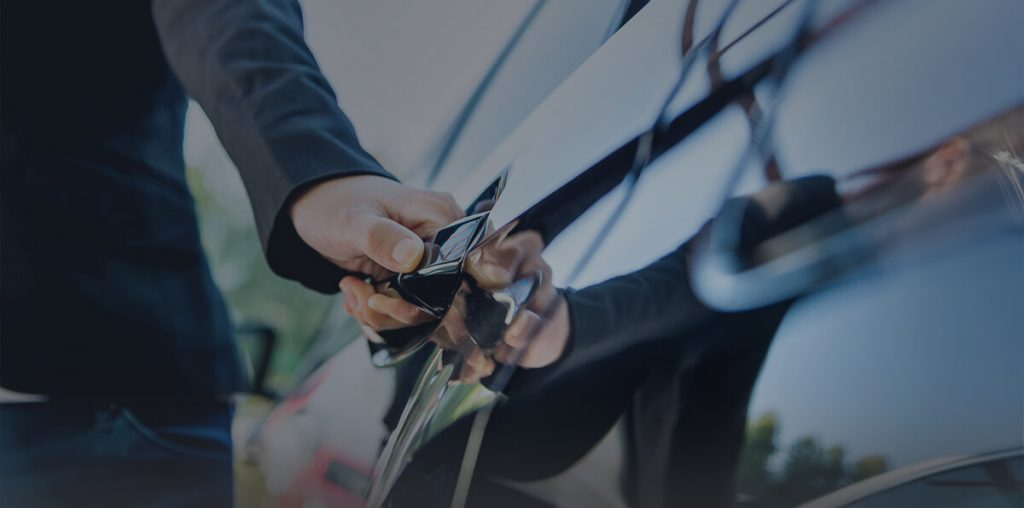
253 293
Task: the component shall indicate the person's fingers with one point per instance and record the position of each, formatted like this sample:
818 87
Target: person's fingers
447 207
379 322
475 366
552 338
520 256
351 299
504 353
530 240
523 332
372 335
359 294
357 290
494 265
532 341
545 293
353 304
523 253
525 324
355 308
425 211
490 273
386 242
528 342
370 224
498 265
398 309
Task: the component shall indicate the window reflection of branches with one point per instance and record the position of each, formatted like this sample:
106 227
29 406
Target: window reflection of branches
772 476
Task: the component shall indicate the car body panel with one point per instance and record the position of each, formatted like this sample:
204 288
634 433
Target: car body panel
898 362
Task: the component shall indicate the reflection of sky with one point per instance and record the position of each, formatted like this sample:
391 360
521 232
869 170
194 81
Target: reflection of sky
402 71
671 201
907 75
915 360
900 78
924 359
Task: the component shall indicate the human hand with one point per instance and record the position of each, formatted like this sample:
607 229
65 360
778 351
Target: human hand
369 224
494 266
538 335
379 311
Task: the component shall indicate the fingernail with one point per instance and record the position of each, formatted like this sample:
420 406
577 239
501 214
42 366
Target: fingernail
406 252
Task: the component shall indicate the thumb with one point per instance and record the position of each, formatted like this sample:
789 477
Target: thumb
388 243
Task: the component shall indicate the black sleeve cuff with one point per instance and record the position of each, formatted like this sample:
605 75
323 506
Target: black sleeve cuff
290 256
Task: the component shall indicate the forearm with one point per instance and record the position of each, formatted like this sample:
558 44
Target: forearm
248 66
605 319
654 302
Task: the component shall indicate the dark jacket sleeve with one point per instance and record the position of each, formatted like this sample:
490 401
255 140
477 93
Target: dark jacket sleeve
634 332
659 300
651 303
623 313
247 64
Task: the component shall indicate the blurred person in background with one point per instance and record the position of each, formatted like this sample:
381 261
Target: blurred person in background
117 358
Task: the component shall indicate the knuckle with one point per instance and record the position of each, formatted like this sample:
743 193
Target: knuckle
443 197
446 202
350 217
347 228
516 256
534 240
378 236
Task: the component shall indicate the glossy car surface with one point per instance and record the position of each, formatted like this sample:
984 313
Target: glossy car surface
896 379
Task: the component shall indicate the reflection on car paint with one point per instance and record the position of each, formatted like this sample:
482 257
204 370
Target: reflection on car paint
961 193
878 204
797 455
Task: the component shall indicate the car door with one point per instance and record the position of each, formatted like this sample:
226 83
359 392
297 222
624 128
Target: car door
418 82
827 139
838 346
